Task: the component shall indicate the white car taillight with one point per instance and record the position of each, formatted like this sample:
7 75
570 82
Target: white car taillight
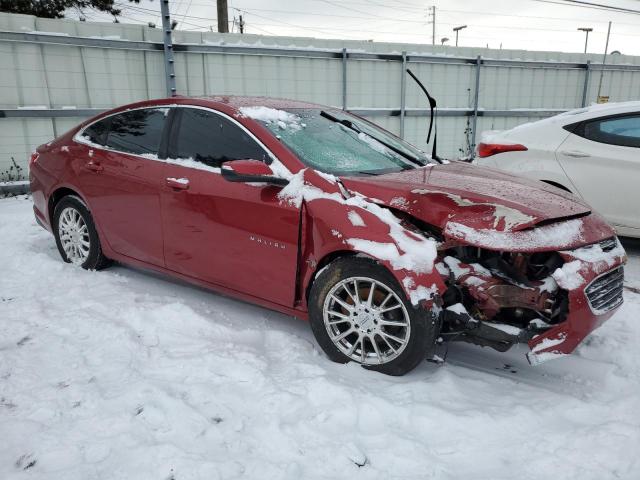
489 149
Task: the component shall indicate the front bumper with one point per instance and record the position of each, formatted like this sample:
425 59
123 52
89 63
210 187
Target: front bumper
593 299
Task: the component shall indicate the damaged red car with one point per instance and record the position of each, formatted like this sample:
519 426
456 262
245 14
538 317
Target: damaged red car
317 213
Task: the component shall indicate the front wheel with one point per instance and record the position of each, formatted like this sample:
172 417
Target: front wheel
359 313
76 235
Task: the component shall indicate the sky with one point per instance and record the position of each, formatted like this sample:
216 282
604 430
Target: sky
511 24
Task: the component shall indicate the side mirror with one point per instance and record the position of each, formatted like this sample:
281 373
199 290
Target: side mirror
250 171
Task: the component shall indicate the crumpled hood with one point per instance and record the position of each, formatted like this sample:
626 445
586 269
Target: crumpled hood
473 196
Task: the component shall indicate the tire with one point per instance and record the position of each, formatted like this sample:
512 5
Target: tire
369 318
76 235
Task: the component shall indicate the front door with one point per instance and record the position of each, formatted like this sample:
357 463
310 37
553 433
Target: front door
236 235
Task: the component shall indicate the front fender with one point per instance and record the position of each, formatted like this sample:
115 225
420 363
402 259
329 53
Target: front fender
333 226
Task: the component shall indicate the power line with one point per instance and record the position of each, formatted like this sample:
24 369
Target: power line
595 6
326 30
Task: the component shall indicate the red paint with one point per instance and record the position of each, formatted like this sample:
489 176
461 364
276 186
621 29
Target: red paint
248 167
242 240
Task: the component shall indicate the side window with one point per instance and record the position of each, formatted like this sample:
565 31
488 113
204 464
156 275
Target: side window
623 131
97 133
137 131
212 139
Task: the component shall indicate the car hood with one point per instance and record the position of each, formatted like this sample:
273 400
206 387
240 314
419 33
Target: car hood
476 197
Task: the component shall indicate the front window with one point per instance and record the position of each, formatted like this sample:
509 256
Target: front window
333 141
211 139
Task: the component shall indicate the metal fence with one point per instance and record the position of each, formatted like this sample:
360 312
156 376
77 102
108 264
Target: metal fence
55 74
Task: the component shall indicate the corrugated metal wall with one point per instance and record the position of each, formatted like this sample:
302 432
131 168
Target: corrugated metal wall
50 76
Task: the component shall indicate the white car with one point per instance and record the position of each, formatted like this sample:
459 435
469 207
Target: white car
593 152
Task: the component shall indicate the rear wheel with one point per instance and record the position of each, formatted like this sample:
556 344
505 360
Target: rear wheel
359 313
76 235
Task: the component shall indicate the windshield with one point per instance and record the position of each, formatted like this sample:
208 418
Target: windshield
335 142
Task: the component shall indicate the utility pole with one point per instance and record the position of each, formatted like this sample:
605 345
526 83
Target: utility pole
457 29
604 58
223 17
432 14
168 49
241 24
586 30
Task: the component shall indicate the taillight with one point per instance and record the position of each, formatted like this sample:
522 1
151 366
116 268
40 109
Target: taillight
488 149
33 159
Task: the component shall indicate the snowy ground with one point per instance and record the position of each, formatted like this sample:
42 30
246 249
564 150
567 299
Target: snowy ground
125 375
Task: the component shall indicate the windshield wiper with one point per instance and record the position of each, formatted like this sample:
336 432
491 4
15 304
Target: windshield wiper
350 125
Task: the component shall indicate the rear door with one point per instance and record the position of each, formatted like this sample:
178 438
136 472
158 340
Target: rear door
122 181
602 158
236 235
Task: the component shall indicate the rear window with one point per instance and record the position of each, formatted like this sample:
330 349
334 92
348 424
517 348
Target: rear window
623 131
97 133
138 131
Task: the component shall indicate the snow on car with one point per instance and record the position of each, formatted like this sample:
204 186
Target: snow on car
520 262
591 152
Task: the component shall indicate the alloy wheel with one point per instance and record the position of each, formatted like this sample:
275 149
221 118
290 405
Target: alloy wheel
74 235
366 320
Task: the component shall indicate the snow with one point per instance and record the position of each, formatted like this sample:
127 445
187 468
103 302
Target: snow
399 202
455 267
558 235
418 293
187 162
568 277
548 285
595 254
355 219
283 119
457 308
181 181
549 342
124 374
510 216
409 251
41 32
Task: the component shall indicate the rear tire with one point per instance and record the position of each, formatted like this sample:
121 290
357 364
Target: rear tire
376 327
76 235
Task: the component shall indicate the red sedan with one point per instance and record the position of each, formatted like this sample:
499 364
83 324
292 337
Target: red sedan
320 214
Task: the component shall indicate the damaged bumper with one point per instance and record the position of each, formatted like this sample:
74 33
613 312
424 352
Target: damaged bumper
592 302
552 314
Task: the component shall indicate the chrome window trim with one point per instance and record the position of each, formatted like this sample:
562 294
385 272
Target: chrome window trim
78 136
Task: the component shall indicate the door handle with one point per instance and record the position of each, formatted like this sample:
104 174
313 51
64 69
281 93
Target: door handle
178 183
94 167
574 153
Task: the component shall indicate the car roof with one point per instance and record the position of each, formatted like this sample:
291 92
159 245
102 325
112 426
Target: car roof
600 110
238 101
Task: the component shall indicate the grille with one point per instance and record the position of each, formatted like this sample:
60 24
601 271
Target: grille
605 292
608 244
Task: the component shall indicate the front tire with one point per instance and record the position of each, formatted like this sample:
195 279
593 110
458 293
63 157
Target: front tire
358 312
76 235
